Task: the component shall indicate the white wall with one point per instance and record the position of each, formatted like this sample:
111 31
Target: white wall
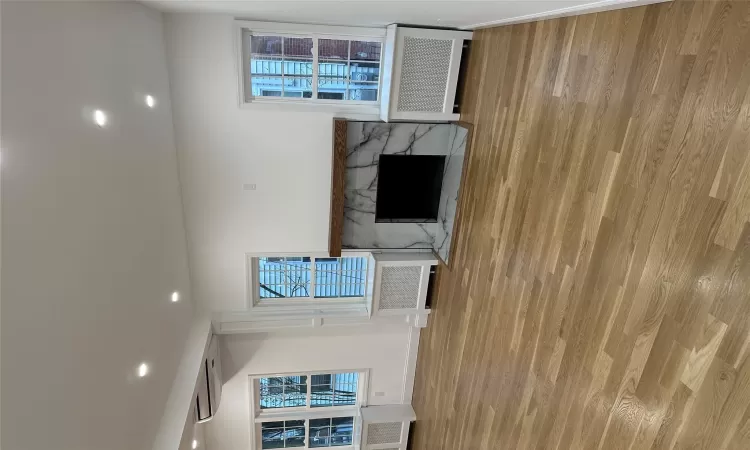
380 349
287 155
93 240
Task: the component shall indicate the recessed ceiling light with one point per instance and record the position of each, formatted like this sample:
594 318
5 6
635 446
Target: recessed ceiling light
175 296
195 444
143 370
150 101
100 118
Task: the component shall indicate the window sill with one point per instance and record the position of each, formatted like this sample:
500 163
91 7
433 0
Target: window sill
310 310
308 304
351 112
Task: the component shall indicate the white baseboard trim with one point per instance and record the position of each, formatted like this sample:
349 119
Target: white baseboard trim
410 367
603 5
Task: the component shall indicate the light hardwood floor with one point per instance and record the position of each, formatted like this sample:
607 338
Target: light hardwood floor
600 294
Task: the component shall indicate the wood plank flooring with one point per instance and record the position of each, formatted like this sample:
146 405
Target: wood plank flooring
600 297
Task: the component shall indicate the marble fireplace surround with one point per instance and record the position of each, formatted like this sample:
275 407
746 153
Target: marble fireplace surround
366 141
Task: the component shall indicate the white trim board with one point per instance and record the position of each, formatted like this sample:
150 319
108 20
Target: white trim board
246 322
304 28
410 367
602 5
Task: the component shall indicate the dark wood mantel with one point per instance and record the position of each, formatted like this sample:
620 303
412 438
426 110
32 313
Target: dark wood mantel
337 187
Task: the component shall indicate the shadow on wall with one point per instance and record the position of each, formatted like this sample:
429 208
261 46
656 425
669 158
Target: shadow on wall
232 362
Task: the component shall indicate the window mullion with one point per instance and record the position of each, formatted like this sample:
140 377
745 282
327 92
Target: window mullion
366 270
333 389
347 95
338 278
283 58
284 276
309 391
312 278
307 433
315 68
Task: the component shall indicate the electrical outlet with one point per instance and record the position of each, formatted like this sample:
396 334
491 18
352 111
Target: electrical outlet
380 394
248 186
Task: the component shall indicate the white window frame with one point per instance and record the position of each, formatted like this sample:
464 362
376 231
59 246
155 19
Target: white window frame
258 415
310 303
359 109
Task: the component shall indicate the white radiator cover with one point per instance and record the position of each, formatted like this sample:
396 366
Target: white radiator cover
386 427
420 73
400 283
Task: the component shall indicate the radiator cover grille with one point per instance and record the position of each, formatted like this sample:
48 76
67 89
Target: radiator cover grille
399 287
424 74
384 433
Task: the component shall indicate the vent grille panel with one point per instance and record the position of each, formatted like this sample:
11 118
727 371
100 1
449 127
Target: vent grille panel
424 74
384 433
399 287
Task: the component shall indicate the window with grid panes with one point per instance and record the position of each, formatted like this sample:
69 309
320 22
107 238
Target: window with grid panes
317 391
283 434
290 398
331 432
301 276
312 433
311 68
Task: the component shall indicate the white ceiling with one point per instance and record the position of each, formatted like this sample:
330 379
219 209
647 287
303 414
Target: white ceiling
93 243
454 13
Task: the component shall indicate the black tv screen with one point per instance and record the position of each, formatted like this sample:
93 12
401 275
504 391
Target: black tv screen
409 188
